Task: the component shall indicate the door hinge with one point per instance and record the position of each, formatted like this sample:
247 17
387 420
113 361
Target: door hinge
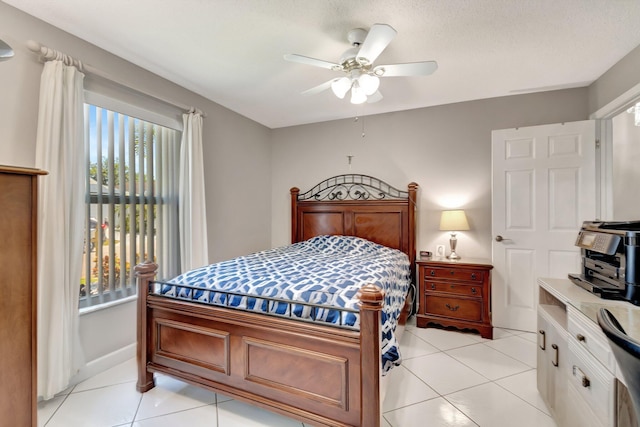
597 143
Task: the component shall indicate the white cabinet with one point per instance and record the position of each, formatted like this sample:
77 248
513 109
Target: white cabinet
552 359
582 390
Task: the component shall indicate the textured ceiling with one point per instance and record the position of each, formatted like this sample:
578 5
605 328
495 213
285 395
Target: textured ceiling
231 51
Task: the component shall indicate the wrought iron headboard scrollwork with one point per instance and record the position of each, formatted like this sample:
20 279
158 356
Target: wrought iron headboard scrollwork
353 187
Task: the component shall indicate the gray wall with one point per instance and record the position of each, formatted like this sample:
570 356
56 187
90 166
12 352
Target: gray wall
620 78
445 149
236 152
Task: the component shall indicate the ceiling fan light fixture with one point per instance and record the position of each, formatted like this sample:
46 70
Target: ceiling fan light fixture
369 83
341 86
357 94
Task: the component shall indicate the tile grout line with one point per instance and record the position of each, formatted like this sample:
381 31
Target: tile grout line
479 373
66 396
135 415
534 406
461 411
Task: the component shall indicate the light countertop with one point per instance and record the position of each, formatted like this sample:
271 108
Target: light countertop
589 304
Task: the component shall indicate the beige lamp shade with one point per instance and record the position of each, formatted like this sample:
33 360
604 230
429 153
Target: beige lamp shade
454 220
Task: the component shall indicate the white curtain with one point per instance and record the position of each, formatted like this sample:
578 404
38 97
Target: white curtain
59 151
192 210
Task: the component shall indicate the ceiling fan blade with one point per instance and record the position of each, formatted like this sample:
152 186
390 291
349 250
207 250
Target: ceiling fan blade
378 38
409 69
312 61
317 89
5 51
377 96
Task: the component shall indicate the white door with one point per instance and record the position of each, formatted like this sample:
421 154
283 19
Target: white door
544 187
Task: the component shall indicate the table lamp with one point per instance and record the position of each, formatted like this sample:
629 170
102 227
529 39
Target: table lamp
453 221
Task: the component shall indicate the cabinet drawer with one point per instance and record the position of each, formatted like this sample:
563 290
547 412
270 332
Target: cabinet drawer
458 308
466 274
589 336
453 288
592 382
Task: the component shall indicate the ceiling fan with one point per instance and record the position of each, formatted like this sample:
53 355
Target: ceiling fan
362 77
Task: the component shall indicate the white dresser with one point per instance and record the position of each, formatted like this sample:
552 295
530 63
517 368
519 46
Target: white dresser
577 373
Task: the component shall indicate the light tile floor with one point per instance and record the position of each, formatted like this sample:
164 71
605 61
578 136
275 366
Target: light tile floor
447 379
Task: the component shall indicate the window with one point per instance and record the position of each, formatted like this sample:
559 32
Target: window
131 203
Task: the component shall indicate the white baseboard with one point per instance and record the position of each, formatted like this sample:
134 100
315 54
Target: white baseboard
103 363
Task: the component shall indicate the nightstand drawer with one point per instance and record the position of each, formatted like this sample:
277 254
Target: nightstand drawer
454 273
453 288
458 308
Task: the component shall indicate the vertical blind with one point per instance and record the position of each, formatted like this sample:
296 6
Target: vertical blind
131 203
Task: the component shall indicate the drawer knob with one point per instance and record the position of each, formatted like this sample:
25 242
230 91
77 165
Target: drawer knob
581 337
583 378
473 276
433 286
452 308
433 272
474 290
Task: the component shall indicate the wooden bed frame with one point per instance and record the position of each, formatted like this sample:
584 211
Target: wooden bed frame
319 374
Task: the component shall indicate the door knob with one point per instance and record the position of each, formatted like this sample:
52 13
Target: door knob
499 238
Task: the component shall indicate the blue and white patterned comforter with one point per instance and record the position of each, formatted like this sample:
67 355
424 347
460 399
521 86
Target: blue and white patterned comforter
323 270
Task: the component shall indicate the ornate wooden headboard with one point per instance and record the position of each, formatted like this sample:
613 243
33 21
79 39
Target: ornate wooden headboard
357 205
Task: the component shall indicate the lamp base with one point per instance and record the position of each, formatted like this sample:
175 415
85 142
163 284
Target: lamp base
453 242
453 255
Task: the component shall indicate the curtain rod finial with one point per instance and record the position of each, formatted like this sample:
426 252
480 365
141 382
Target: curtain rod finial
34 46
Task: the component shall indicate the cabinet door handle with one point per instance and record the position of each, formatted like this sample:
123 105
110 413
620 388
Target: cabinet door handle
581 337
544 340
556 356
584 379
452 308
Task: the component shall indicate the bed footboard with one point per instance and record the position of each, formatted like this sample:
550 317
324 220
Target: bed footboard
315 373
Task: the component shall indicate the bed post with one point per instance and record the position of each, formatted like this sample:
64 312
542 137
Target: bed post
413 191
145 274
294 214
371 300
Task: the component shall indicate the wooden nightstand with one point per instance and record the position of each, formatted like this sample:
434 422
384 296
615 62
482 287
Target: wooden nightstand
455 293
